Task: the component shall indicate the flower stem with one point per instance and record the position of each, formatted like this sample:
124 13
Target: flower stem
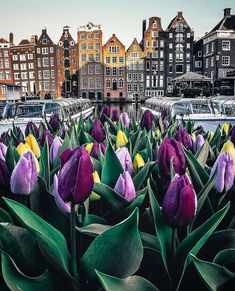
73 243
172 259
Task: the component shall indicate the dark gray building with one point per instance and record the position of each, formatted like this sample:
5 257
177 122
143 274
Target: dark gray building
198 56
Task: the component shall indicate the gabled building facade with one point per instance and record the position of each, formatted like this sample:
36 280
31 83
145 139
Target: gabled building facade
114 60
90 67
24 64
66 65
135 71
46 65
180 38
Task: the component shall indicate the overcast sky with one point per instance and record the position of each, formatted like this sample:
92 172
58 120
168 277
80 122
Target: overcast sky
123 17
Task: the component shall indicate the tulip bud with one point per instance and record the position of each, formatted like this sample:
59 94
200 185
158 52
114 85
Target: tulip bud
4 177
95 149
147 120
31 141
98 132
180 202
25 148
32 128
138 162
75 180
3 151
168 149
225 128
125 159
125 120
46 135
183 137
228 147
225 175
55 122
24 176
199 142
55 149
125 187
166 123
89 147
121 139
163 113
158 133
114 115
94 196
193 137
105 112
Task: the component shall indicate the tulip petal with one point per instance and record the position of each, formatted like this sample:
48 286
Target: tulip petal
64 207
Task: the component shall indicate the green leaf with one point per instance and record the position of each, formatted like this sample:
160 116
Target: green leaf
202 154
112 125
163 231
225 257
214 276
17 281
112 167
12 157
140 177
133 283
5 216
113 198
51 241
118 251
44 164
196 239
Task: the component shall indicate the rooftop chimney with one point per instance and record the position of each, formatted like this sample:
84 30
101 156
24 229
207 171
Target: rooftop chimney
34 39
143 28
227 12
44 30
11 38
180 14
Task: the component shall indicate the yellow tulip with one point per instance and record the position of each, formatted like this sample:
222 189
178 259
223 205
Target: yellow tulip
158 133
23 149
89 147
211 135
121 139
194 136
32 142
138 162
228 147
225 128
94 196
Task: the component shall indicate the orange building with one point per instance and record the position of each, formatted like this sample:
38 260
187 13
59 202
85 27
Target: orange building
90 61
114 60
6 74
66 64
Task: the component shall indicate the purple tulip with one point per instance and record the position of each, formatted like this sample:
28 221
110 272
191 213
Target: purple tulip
63 206
198 143
225 175
232 134
115 115
163 113
125 120
180 202
4 177
147 120
95 149
46 135
75 179
183 137
166 123
24 176
98 132
3 151
32 128
55 122
125 159
125 186
168 149
105 112
55 148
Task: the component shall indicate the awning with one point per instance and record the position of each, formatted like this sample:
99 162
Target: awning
192 77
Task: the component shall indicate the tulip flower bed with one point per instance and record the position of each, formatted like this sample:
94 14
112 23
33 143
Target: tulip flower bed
111 203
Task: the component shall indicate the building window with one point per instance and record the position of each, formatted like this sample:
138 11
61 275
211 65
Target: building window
45 62
212 47
23 57
225 61
198 64
30 56
97 46
135 87
114 60
155 54
129 77
188 57
114 71
188 68
161 66
147 81
179 48
179 68
147 65
226 45
188 34
155 25
207 49
16 76
135 77
44 41
97 35
90 46
91 83
90 69
121 71
23 67
52 74
97 57
31 75
83 46
97 69
89 35
39 62
108 83
84 83
46 74
39 74
107 71
179 37
82 36
161 43
90 57
107 60
212 62
179 57
154 65
161 81
31 65
170 57
121 83
161 54
51 49
98 83
170 45
114 49
170 68
2 75
207 63
134 55
15 66
52 61
141 77
44 50
188 45
154 33
170 35
24 76
199 53
83 70
83 57
154 43
147 43
121 60
47 85
129 87
154 81
15 57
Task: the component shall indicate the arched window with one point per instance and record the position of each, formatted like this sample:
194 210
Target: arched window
179 48
179 26
179 37
121 83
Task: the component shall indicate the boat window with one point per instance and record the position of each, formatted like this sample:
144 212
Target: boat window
199 108
181 109
52 108
34 110
217 107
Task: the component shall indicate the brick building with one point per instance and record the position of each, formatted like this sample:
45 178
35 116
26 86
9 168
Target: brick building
6 73
66 65
198 56
114 60
135 71
46 65
24 64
